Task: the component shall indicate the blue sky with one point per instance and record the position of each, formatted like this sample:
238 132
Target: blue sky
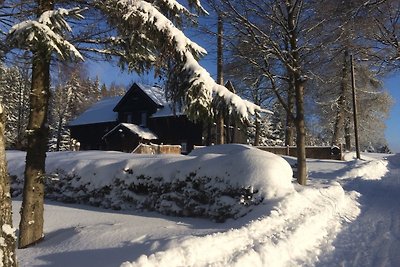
392 132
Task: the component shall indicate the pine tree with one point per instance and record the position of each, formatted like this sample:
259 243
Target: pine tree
270 132
7 235
147 37
14 90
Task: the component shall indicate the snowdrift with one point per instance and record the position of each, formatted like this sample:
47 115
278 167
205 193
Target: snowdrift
216 182
346 216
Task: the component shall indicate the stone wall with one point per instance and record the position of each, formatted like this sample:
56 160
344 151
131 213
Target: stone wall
311 151
157 149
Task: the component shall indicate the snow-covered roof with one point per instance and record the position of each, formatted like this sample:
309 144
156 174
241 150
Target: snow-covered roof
167 111
101 111
142 132
156 93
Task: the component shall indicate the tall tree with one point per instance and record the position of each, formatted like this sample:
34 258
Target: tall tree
31 224
41 36
382 37
74 93
14 88
282 35
142 35
350 26
7 235
220 131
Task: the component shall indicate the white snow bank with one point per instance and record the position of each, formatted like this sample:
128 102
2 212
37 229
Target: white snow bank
239 164
217 183
367 170
247 166
316 225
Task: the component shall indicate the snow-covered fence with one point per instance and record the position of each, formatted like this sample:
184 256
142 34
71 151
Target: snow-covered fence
157 149
314 152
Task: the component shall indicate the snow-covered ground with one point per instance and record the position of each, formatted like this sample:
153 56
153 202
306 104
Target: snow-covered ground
348 215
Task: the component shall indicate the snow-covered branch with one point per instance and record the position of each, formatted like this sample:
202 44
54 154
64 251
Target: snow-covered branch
48 31
202 86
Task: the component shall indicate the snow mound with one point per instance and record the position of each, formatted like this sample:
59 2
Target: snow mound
219 182
248 166
368 170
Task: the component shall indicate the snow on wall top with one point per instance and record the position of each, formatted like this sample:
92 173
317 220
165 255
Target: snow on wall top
142 132
101 111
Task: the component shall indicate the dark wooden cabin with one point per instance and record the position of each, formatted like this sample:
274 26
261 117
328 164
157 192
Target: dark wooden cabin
141 115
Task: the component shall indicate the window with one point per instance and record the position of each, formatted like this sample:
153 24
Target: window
143 117
184 147
129 118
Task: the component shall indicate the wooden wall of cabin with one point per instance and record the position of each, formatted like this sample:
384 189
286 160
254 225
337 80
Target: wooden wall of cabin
176 131
90 136
123 140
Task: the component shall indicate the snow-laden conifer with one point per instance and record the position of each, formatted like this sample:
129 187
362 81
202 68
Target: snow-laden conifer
47 30
148 34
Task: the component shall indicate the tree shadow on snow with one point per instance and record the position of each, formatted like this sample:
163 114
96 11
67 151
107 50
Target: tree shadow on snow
103 257
254 213
132 250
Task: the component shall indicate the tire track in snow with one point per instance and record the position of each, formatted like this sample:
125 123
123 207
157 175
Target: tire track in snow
296 220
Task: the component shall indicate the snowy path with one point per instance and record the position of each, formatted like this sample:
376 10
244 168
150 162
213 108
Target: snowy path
296 231
373 239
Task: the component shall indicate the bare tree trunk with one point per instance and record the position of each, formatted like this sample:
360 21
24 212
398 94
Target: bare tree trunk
22 104
7 248
31 224
301 134
347 133
290 127
220 129
299 94
339 120
355 120
258 131
220 80
59 133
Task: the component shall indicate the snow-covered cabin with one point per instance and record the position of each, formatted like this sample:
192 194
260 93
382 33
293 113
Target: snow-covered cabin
142 115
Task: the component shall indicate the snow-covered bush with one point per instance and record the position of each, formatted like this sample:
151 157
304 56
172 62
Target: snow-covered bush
217 182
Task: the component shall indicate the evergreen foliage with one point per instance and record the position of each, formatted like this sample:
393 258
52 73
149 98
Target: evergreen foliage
208 197
14 90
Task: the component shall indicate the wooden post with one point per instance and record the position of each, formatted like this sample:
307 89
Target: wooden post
353 87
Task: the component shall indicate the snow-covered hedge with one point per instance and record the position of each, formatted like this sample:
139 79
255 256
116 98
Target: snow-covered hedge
217 182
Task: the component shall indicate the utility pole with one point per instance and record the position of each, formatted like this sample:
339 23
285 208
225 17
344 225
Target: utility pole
353 87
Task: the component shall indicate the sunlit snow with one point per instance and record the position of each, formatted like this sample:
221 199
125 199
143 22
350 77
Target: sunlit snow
341 218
